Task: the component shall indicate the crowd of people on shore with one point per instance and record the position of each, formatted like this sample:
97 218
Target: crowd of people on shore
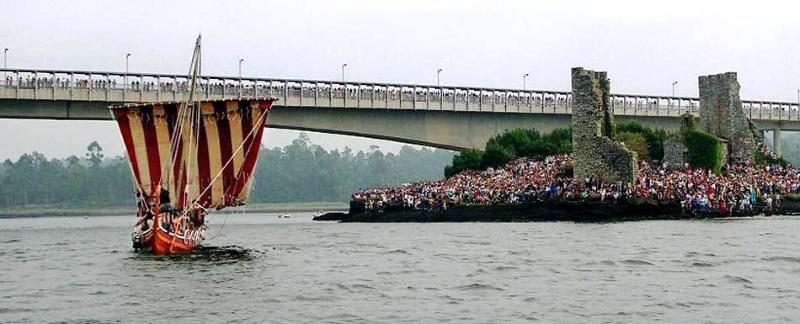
737 190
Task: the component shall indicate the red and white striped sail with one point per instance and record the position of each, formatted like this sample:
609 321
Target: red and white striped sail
213 157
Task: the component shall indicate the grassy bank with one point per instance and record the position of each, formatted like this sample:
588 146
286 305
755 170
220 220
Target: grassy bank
38 211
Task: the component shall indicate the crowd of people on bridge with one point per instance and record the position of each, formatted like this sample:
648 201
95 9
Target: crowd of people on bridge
310 89
737 190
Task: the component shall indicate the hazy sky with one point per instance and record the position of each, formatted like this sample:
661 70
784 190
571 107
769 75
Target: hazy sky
644 45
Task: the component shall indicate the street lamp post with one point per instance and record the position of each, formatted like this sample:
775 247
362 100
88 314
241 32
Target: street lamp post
524 85
674 83
438 80
343 66
240 76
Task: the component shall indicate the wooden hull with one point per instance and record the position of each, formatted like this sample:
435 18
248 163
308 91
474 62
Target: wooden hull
167 243
159 241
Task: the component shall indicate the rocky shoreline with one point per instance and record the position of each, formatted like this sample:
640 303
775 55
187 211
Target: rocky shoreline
547 211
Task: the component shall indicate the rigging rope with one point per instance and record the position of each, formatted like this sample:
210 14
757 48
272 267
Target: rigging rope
219 173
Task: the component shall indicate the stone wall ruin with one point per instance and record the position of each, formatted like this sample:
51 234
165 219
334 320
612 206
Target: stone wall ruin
721 115
597 155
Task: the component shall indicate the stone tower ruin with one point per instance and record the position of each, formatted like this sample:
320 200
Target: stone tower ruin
721 115
597 154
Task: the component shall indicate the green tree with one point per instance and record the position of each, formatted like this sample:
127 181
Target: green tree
469 159
94 152
654 138
636 143
298 172
705 150
510 144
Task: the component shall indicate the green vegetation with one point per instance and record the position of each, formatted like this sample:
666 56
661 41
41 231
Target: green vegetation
654 146
608 129
636 143
466 160
705 150
504 147
511 144
299 172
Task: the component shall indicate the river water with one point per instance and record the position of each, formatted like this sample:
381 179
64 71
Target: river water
259 268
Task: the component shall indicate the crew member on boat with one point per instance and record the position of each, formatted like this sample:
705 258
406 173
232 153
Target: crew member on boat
144 214
197 215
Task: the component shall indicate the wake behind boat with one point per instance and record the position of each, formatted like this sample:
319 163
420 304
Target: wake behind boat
188 158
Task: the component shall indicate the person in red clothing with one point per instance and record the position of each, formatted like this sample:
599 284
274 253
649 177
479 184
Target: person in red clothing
723 208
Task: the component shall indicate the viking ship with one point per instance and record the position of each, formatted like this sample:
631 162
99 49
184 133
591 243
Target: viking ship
188 159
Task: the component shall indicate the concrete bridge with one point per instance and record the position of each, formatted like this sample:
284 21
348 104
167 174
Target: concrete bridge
438 116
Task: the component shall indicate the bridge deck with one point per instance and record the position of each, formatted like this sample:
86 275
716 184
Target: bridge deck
115 87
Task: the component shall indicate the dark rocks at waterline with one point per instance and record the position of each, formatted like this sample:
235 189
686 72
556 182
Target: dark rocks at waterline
573 211
331 216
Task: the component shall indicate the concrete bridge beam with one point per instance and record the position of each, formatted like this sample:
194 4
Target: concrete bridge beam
443 129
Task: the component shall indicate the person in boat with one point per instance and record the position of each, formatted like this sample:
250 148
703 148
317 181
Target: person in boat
197 215
145 214
141 203
166 205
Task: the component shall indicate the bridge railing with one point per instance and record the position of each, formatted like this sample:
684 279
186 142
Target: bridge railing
144 87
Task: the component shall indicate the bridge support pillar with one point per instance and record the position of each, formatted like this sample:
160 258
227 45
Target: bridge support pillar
776 141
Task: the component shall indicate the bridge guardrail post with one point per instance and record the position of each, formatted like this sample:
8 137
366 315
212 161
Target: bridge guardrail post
35 85
493 99
400 97
466 100
141 88
414 97
330 95
624 105
53 85
441 98
480 100
427 98
527 96
16 76
286 92
613 106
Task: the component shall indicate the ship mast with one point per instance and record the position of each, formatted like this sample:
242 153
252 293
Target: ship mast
188 113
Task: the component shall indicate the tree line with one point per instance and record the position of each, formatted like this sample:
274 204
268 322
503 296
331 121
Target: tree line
705 151
298 172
